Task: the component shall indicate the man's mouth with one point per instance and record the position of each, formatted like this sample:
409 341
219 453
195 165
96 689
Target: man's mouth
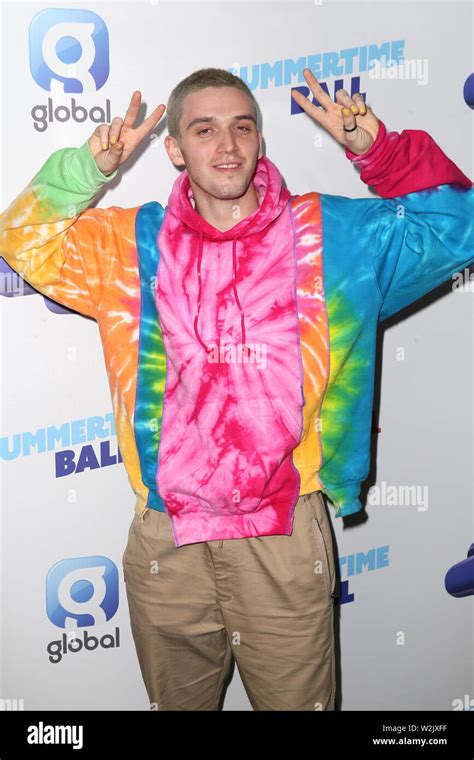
228 166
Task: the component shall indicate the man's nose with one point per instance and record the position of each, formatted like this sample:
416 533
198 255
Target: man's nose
227 142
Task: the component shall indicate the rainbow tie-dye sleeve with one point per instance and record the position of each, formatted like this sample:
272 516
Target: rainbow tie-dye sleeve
51 237
380 256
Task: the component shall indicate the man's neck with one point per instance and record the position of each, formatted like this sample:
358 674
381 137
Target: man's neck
225 213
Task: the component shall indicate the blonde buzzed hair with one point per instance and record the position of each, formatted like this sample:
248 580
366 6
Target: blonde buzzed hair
198 80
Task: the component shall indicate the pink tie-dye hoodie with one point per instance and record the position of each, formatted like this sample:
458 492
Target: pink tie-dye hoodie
241 363
233 398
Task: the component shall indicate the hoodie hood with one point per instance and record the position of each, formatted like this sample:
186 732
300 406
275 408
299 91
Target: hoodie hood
273 198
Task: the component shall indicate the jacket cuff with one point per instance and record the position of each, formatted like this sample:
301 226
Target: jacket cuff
400 164
84 170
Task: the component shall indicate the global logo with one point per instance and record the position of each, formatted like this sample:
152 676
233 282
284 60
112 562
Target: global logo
69 53
69 50
81 592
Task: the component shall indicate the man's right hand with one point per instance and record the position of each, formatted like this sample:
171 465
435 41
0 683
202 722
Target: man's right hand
112 144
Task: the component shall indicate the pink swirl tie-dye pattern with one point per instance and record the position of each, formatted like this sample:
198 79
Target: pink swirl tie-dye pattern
230 423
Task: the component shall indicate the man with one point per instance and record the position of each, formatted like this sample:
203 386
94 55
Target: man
239 328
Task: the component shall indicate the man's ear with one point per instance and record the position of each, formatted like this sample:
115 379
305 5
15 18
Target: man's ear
174 152
260 144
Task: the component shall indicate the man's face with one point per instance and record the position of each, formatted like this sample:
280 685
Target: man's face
217 128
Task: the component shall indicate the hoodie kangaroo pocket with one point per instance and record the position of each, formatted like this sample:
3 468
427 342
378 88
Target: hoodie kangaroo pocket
181 446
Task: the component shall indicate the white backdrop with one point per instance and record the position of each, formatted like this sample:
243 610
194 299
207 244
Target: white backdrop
404 642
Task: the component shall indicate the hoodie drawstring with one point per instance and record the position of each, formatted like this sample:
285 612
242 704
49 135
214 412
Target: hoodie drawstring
234 285
199 294
234 270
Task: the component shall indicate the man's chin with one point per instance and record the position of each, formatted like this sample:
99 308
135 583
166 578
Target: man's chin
229 196
228 190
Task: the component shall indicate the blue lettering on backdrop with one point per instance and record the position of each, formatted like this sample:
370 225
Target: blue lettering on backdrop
87 459
343 63
354 564
67 461
47 439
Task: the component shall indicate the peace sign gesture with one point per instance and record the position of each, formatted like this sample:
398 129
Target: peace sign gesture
112 144
347 112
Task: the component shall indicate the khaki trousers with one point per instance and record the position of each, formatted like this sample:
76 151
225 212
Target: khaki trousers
265 602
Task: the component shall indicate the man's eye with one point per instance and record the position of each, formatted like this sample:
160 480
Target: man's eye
208 129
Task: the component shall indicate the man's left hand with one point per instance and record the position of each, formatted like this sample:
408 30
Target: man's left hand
346 112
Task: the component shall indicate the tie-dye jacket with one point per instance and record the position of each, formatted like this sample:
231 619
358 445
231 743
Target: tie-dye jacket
241 363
